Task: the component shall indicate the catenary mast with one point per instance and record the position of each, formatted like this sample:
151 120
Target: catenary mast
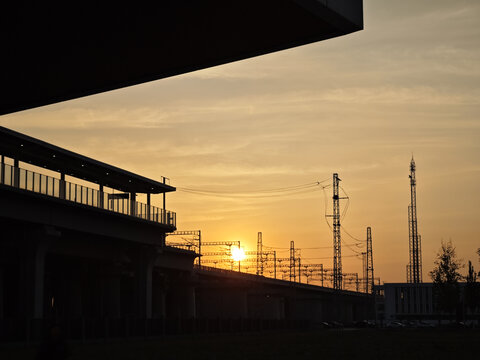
337 249
369 262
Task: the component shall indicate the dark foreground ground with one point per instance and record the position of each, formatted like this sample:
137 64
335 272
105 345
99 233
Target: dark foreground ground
385 344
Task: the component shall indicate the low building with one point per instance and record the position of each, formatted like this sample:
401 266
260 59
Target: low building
416 302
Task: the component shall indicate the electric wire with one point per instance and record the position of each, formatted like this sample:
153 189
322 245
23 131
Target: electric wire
245 196
349 246
253 193
353 237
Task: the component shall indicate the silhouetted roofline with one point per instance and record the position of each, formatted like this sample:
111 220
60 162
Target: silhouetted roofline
40 153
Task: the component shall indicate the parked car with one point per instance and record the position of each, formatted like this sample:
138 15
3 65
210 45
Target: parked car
364 324
395 325
423 324
336 324
326 325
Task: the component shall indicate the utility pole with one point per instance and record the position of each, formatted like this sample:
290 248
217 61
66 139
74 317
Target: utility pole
299 271
337 249
369 262
414 267
196 237
274 264
365 272
259 255
292 261
199 238
321 274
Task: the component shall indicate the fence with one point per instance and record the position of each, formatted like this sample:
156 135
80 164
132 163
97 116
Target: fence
54 187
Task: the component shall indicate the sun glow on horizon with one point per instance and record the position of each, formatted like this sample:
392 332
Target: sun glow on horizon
238 254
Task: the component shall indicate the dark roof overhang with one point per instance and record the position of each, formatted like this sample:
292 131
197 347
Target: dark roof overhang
58 50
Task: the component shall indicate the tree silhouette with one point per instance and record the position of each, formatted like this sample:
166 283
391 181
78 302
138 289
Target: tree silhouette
472 289
478 252
445 277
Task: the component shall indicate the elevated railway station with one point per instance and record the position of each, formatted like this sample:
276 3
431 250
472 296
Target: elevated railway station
76 246
76 243
78 249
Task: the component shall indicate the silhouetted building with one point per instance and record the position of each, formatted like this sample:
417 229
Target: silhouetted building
417 302
78 249
76 243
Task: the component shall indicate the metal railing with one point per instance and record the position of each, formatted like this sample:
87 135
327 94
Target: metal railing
61 189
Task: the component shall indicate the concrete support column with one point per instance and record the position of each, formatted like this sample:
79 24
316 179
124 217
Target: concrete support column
290 303
159 296
32 270
32 277
279 308
189 293
112 297
39 278
182 304
76 305
143 279
242 305
159 302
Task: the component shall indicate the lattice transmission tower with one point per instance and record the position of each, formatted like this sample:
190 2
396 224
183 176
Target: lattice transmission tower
337 248
414 267
293 261
259 254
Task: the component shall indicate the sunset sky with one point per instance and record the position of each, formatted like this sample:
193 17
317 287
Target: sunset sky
359 105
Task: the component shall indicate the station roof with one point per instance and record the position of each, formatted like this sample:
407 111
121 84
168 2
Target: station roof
58 50
40 153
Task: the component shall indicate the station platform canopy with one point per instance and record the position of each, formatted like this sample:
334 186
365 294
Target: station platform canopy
59 50
42 154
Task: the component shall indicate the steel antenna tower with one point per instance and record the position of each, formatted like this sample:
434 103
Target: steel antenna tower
414 267
259 255
369 262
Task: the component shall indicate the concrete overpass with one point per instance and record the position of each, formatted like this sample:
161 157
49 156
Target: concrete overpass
230 294
78 248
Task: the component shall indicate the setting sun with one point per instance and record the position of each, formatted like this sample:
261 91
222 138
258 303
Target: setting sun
238 254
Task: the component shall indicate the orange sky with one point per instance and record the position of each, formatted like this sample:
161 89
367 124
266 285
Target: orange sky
359 105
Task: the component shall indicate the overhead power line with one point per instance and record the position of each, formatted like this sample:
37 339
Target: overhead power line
246 196
348 245
265 193
353 237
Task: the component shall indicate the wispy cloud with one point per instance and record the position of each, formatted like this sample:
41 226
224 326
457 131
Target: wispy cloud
358 105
